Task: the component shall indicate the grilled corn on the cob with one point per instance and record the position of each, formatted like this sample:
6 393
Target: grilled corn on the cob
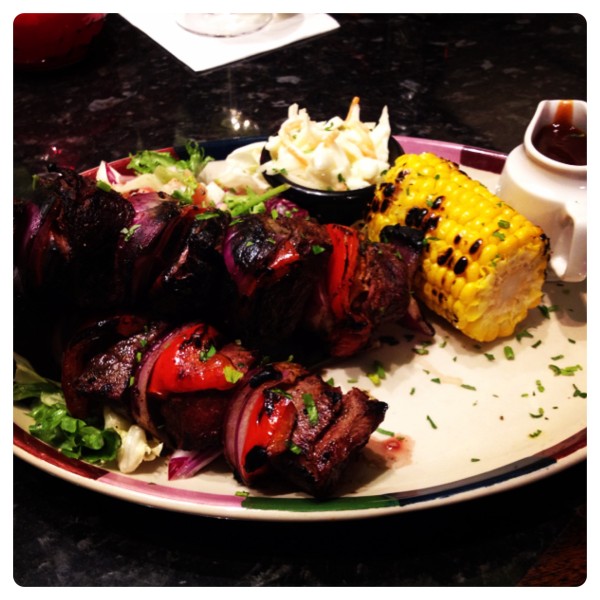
483 264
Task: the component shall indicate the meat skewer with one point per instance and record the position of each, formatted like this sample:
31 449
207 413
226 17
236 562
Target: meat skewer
193 295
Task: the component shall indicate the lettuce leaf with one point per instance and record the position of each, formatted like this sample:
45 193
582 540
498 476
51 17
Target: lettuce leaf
166 168
76 438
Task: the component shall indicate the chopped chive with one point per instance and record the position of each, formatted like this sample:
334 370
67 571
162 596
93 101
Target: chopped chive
422 351
535 433
294 448
311 408
468 387
523 334
538 415
431 422
568 371
385 432
579 393
377 373
546 310
509 353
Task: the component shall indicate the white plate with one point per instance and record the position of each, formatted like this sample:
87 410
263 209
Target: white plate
473 421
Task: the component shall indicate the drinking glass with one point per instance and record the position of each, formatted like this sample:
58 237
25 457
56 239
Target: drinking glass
224 24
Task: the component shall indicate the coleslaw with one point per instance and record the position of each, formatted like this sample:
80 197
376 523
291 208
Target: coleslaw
336 155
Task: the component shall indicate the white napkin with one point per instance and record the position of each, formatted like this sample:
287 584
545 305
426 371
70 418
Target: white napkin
201 52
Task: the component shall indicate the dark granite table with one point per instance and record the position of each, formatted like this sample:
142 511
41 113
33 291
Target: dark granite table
472 79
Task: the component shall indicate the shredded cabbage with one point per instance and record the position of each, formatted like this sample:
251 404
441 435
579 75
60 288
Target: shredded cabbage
338 154
135 445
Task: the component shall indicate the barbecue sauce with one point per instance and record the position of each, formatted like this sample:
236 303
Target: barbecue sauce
561 140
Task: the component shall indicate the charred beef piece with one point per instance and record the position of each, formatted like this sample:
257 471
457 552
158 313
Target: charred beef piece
364 286
100 359
323 460
273 264
188 271
287 421
79 226
408 243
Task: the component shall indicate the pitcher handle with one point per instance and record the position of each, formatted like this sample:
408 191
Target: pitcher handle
569 258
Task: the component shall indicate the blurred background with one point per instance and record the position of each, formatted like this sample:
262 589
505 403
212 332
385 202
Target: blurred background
473 79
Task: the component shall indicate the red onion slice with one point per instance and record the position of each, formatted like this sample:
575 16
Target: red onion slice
184 464
140 408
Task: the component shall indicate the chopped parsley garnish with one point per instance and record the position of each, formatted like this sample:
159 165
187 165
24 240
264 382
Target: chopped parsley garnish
129 231
231 374
208 353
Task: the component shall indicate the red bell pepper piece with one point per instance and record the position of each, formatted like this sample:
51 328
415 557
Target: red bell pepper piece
342 267
192 363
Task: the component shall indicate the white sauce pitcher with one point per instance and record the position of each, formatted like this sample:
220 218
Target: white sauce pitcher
550 193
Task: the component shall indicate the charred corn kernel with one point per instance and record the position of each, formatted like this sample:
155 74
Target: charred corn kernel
483 264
